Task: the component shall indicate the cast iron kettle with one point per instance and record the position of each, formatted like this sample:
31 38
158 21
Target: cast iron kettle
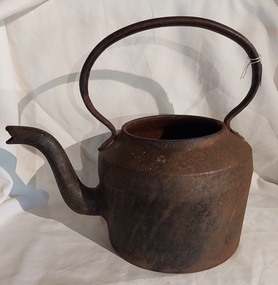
173 188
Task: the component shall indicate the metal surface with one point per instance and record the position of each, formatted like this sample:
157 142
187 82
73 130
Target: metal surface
175 204
173 188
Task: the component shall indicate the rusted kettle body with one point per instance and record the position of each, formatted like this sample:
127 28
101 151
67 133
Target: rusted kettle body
173 188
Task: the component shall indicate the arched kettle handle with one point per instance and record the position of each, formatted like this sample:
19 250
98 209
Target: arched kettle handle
167 22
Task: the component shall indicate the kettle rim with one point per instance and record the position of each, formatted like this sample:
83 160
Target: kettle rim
173 128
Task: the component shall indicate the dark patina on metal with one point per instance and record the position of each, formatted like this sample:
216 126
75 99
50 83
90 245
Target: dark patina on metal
173 188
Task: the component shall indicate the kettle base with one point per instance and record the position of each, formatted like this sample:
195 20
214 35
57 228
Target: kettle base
145 265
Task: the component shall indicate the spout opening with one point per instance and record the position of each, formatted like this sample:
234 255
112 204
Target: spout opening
173 127
12 130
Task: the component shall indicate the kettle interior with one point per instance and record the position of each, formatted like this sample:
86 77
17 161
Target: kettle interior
173 127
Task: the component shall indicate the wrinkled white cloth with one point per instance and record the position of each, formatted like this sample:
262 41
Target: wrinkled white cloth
43 45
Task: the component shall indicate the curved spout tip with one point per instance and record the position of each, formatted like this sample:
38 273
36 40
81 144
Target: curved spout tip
17 133
12 130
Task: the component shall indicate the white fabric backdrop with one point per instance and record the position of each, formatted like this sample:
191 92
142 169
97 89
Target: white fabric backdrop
43 45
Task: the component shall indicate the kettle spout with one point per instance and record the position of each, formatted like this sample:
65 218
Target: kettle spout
78 197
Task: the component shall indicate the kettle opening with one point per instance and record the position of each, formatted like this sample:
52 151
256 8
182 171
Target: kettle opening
173 127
